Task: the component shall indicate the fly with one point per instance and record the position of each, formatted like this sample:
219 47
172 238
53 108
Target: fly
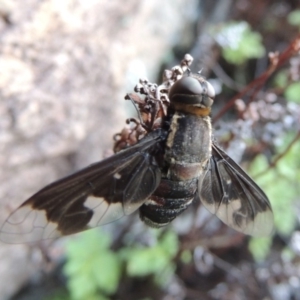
159 168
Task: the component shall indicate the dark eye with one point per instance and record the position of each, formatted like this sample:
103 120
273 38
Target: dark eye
191 91
210 91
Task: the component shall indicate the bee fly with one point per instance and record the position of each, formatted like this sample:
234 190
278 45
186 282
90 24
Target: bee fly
160 174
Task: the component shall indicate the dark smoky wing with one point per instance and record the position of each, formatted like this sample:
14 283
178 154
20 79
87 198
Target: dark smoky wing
96 195
229 193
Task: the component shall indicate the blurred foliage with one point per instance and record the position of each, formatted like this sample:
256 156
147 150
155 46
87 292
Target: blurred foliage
94 271
87 256
239 43
294 18
281 79
292 92
281 184
58 295
156 260
186 256
260 247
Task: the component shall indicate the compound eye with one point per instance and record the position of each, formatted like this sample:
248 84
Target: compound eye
192 91
210 90
186 86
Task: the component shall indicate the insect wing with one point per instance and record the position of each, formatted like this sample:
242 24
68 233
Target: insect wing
229 193
96 195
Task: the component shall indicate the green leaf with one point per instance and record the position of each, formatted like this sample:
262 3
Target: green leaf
239 43
281 184
107 281
91 266
260 247
281 79
81 287
294 17
278 190
87 244
58 295
164 277
292 92
186 256
169 243
287 254
146 261
142 261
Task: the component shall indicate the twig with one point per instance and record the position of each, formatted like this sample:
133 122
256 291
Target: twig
277 60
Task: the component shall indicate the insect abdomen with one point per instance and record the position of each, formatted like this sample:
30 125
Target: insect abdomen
187 151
